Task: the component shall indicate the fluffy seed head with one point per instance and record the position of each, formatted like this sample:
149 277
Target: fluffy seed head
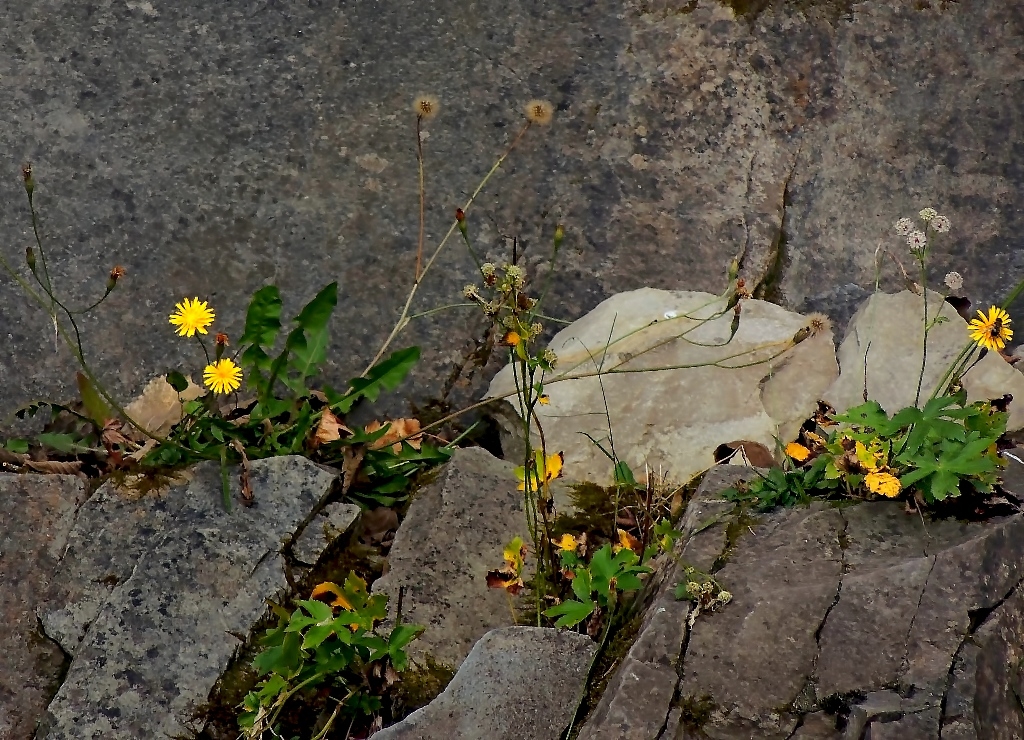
954 280
539 112
425 106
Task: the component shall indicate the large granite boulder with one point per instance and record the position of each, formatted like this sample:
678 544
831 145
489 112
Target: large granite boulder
845 623
37 514
214 147
454 533
157 595
755 386
884 340
517 683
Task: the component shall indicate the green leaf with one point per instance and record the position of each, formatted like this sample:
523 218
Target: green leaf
176 380
570 613
17 446
308 341
63 443
316 635
386 375
263 319
601 565
93 402
284 658
318 610
581 584
624 475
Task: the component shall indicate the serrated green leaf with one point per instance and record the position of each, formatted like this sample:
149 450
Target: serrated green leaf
63 443
385 375
318 610
263 318
570 613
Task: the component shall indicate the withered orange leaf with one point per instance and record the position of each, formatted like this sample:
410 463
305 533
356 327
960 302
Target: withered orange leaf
400 429
330 429
505 578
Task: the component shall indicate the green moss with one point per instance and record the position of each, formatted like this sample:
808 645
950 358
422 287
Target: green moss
593 511
695 710
420 685
739 523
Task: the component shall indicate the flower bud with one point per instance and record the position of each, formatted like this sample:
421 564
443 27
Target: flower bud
115 274
26 175
30 258
559 235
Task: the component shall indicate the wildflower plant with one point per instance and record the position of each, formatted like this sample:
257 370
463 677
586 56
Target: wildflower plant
928 452
330 644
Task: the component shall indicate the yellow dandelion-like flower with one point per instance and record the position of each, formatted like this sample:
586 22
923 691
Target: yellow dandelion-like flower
511 339
992 331
544 399
885 484
223 376
425 106
797 451
566 543
539 112
191 316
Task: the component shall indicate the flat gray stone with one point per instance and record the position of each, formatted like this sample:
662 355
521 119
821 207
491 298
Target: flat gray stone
37 514
333 522
517 683
893 351
784 576
165 633
455 531
714 389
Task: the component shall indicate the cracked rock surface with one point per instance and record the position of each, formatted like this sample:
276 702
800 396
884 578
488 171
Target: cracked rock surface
155 596
209 147
517 683
846 623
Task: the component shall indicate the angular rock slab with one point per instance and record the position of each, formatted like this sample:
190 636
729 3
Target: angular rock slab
892 325
842 606
163 635
37 513
517 683
674 419
454 533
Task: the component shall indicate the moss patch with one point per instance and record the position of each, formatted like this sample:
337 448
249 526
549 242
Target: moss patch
420 685
695 710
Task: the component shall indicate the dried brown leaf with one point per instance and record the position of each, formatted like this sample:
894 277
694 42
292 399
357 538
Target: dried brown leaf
54 467
330 429
407 430
352 458
244 481
159 407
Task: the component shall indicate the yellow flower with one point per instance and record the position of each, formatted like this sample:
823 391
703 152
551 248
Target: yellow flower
545 470
627 542
331 588
191 316
992 331
544 399
511 339
883 483
797 451
567 543
223 376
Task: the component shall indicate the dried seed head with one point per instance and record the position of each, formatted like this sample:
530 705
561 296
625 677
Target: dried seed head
116 273
539 112
221 340
425 107
954 281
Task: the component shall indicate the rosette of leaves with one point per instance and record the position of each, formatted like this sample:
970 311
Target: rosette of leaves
936 449
335 646
596 585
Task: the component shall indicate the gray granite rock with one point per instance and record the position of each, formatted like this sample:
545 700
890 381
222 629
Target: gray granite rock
717 387
517 683
212 148
166 630
893 357
454 532
333 522
851 622
37 514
